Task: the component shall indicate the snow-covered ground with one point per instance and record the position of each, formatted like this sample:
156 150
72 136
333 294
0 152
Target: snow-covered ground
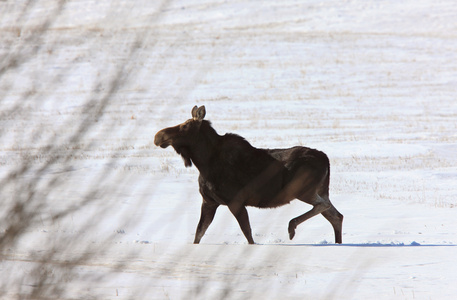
91 209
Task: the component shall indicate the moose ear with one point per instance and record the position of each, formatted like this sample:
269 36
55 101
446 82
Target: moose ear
194 112
198 113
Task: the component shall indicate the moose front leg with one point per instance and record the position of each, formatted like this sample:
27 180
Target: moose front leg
207 215
241 215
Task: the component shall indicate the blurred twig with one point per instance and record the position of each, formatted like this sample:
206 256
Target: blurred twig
26 186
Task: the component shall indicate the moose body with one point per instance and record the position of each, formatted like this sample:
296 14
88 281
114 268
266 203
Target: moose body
236 174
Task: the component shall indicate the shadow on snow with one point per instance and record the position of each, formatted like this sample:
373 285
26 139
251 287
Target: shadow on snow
374 245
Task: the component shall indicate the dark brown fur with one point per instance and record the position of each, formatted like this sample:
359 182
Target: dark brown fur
236 174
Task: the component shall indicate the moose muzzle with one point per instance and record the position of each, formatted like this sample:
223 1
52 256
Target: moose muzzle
162 139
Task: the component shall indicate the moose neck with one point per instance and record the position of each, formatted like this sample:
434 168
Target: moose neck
204 147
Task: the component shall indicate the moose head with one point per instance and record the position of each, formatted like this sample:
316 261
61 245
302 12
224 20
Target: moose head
183 136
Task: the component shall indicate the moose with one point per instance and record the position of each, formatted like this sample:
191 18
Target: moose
236 174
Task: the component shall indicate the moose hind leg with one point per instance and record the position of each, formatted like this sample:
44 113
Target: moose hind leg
320 205
207 216
336 219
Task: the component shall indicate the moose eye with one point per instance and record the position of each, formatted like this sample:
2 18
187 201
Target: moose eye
185 126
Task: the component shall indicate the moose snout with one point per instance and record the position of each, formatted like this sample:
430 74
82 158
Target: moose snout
160 139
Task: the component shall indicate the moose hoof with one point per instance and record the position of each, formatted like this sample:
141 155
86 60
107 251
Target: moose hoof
291 234
291 230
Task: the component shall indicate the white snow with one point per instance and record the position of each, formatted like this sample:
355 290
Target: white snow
110 216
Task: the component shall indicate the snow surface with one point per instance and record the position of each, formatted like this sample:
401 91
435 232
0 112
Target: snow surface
85 85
